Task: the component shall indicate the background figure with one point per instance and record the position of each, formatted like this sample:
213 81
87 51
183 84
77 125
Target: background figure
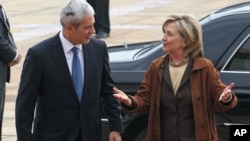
8 57
102 19
182 88
49 98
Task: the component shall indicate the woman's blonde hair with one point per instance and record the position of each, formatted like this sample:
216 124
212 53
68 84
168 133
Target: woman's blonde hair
190 29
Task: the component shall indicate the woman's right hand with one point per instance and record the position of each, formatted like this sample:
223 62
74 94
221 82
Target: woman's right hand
122 97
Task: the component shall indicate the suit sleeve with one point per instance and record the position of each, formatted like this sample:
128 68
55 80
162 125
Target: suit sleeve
7 48
27 96
111 105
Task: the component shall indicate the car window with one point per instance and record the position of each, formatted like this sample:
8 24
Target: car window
217 38
241 59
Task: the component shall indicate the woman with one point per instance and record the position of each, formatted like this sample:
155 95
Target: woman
180 89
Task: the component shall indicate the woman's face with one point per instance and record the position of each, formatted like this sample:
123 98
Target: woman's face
173 42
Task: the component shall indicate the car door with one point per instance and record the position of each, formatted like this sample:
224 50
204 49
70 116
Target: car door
236 68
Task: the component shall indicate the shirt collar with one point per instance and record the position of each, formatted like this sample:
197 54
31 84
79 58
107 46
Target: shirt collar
67 45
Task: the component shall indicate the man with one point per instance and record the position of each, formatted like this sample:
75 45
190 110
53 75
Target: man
62 110
102 24
9 56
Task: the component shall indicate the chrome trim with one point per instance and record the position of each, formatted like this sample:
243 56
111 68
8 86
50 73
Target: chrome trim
105 120
242 72
228 124
230 58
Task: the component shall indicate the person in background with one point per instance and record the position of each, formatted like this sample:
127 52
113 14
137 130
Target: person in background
65 83
9 56
181 89
102 24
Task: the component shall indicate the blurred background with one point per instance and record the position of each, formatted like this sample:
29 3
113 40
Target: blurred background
131 21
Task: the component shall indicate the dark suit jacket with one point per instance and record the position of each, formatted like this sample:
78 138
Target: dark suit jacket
7 54
46 85
7 50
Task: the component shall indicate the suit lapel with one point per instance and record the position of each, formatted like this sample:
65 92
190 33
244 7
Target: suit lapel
187 73
61 64
88 61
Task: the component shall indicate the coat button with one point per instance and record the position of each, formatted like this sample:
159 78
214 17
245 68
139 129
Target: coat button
198 98
179 95
202 125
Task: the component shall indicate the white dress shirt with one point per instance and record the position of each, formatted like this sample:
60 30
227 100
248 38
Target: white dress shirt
67 46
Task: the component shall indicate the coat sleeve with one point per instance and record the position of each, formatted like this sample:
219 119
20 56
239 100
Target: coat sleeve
7 45
27 96
217 87
141 100
111 105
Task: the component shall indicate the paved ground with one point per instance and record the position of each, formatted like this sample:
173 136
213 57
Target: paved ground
131 21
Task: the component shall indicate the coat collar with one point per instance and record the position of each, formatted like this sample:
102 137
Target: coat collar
199 62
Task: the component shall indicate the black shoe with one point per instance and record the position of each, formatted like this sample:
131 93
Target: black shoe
102 35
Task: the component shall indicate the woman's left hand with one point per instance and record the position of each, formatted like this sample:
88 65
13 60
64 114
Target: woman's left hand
227 93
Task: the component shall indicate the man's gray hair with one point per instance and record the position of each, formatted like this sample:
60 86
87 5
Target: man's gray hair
75 11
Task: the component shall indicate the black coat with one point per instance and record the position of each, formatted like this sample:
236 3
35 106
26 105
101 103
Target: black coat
46 85
7 49
7 55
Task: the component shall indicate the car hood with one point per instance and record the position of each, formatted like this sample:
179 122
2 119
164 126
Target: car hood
130 52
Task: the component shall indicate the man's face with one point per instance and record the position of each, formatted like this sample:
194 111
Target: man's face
83 33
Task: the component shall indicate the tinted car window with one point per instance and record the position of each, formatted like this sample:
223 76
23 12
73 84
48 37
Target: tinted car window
241 59
220 33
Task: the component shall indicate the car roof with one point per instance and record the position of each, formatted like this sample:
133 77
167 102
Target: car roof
229 10
217 39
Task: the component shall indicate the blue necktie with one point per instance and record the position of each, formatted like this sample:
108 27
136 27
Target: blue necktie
77 73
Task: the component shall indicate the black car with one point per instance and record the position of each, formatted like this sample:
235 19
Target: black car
226 38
